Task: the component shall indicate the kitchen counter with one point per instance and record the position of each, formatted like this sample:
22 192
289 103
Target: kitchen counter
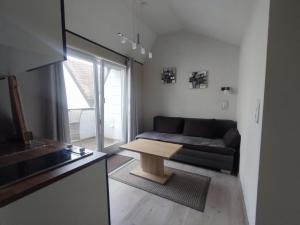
25 187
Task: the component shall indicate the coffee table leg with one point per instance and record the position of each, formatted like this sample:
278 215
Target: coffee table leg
152 164
152 168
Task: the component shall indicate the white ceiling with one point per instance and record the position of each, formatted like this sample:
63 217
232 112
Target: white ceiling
223 20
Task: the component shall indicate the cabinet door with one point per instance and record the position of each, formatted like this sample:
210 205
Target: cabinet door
78 199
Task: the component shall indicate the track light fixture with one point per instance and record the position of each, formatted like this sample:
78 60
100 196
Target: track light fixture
134 45
136 41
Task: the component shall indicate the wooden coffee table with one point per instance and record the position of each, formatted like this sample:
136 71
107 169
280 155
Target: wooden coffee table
152 155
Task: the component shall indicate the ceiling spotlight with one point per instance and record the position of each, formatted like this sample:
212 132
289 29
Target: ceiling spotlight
133 45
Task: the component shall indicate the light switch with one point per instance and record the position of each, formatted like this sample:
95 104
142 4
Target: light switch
225 105
257 111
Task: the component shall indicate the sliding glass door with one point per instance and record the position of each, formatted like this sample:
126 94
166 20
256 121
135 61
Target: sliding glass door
112 85
96 101
79 74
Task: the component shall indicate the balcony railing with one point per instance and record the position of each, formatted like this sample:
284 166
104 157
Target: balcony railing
82 123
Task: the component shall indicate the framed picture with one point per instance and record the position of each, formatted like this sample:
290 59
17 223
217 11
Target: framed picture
198 79
168 75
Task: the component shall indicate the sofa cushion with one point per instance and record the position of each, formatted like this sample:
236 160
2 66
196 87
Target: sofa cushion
232 138
172 125
222 126
206 159
199 128
194 143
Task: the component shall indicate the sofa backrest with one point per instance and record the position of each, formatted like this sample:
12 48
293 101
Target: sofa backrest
172 125
209 128
199 128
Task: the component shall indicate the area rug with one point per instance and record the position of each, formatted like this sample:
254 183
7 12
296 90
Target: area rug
184 188
115 161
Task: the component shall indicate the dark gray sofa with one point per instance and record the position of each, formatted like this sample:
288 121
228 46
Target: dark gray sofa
207 143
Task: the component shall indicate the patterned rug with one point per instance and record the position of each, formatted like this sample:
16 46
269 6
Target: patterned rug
115 161
183 187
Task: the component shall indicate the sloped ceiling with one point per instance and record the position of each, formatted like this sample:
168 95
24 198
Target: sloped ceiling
101 20
223 20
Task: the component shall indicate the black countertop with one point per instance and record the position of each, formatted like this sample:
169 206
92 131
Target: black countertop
20 189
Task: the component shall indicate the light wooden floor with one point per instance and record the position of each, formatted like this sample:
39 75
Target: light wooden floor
132 206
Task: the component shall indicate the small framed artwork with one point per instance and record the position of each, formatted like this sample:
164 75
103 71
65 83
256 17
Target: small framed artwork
168 75
198 79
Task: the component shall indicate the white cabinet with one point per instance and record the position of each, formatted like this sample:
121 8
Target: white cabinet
78 199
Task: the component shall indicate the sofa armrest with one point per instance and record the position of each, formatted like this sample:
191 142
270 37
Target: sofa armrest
232 138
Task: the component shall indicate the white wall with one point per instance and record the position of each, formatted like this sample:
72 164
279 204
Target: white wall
251 88
31 34
101 20
31 89
279 179
188 52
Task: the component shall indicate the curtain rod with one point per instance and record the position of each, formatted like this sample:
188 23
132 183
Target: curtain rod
95 43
